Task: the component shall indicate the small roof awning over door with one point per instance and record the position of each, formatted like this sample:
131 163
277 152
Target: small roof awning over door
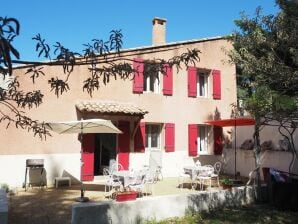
110 107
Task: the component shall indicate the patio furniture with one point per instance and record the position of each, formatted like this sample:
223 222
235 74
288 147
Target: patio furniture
116 167
111 182
62 179
200 173
217 169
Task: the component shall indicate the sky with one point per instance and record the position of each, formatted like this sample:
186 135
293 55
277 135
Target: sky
76 22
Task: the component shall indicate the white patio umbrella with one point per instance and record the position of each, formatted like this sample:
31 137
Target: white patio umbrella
83 127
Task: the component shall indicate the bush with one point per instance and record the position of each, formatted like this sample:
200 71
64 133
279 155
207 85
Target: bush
4 187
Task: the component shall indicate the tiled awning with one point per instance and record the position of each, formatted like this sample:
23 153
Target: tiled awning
110 107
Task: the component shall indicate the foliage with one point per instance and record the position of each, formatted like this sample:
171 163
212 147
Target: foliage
266 55
103 56
226 181
4 187
262 214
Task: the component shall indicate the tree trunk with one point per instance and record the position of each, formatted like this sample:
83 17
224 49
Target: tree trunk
257 154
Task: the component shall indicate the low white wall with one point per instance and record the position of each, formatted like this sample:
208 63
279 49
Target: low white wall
245 161
13 167
158 208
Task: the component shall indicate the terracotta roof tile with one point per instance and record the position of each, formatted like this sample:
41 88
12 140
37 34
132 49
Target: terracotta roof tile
102 106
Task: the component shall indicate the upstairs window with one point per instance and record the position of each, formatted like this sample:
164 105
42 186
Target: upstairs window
151 78
202 83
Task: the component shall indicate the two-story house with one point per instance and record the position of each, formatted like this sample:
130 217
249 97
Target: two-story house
162 120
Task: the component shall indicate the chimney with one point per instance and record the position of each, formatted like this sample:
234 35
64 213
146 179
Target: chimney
158 31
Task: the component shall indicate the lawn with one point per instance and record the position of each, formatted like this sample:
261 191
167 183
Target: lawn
254 214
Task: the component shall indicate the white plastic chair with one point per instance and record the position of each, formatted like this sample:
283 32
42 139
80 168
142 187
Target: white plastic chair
116 167
217 169
183 178
110 182
204 176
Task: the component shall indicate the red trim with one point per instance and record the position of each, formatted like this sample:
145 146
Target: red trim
169 137
216 84
192 139
217 134
192 81
140 138
123 144
241 121
138 79
168 80
88 145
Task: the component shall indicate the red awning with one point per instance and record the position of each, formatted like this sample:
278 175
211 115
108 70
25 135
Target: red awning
232 122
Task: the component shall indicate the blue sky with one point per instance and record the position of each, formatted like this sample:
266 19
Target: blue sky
75 22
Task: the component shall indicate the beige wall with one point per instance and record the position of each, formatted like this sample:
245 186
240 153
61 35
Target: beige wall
179 108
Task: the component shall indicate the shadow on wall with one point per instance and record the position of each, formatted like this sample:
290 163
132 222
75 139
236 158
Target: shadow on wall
74 180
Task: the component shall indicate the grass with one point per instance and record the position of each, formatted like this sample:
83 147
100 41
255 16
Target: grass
254 214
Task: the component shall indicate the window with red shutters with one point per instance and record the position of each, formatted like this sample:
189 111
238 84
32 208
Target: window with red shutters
216 84
192 140
192 81
140 138
169 137
168 80
138 80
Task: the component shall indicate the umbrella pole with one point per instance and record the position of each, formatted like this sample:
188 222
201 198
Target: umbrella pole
235 153
82 198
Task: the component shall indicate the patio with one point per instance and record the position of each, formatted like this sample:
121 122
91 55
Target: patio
53 205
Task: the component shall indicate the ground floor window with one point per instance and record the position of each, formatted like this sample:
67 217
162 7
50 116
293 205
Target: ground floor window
153 136
202 139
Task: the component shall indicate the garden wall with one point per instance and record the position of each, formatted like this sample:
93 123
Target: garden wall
158 208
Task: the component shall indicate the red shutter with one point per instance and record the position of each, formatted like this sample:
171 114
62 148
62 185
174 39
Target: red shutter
168 80
216 84
138 80
169 137
192 81
217 134
140 138
192 140
87 169
123 144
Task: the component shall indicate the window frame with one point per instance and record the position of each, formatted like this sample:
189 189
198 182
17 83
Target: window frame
206 76
147 82
148 135
203 139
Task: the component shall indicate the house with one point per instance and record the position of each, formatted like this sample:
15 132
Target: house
162 120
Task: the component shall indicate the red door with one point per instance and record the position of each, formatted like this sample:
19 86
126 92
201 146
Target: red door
123 144
87 169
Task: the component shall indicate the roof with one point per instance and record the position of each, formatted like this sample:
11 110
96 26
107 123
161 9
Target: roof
110 107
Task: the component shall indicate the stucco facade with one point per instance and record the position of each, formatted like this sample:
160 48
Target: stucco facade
62 152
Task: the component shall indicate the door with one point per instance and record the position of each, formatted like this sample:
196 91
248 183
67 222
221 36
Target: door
105 151
87 169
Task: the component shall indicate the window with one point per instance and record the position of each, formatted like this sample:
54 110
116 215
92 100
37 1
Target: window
202 139
152 136
151 78
202 83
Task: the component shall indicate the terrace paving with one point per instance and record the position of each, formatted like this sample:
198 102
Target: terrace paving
53 205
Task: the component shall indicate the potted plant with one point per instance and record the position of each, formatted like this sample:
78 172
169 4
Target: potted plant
226 183
126 195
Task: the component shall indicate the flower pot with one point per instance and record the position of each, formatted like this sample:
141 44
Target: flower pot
227 186
126 196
